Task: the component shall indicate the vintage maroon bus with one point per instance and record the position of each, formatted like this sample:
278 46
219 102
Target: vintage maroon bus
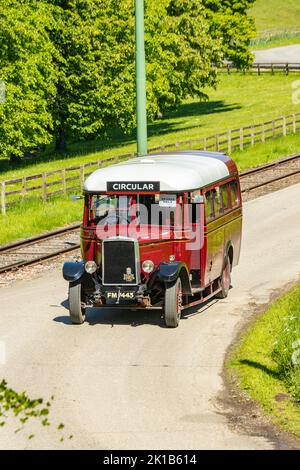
159 232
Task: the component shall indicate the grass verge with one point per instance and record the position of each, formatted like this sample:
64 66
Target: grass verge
277 23
278 39
265 361
269 151
35 217
238 101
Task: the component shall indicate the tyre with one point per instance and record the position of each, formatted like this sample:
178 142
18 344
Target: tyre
225 280
77 312
173 304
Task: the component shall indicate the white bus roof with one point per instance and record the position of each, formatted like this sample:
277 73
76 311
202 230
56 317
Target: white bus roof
178 171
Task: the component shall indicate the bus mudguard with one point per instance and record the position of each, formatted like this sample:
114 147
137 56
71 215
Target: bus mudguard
169 273
73 271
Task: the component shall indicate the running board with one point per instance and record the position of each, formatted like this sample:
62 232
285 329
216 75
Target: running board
202 299
197 290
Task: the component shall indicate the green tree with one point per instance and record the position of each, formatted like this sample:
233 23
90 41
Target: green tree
69 65
181 55
95 45
27 70
95 62
230 23
24 409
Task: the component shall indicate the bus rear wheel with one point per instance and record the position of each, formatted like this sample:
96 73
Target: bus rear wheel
225 280
173 304
77 312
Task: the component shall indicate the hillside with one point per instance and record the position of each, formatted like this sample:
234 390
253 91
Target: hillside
277 15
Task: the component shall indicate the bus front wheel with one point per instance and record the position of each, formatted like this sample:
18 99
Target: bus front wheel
77 312
173 304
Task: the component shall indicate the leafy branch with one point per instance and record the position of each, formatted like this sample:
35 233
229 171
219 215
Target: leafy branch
24 408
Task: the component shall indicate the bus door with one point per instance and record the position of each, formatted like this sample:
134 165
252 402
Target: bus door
214 235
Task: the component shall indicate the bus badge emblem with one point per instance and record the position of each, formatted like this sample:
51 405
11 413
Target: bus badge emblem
128 277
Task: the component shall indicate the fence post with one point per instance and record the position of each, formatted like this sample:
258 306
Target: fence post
273 128
252 136
294 123
287 69
258 69
205 143
81 176
3 204
284 126
263 137
44 189
63 181
23 186
241 138
229 142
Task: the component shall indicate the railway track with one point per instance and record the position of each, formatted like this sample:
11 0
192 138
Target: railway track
37 249
254 182
270 177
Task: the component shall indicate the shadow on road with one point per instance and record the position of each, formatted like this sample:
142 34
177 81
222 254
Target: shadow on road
114 317
134 318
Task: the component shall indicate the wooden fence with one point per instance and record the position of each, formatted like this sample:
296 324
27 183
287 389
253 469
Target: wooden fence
261 68
60 182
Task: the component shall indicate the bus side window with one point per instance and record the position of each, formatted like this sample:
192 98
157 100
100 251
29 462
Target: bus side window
225 197
234 194
217 202
195 212
209 212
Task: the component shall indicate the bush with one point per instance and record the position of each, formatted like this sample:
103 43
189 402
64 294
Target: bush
286 351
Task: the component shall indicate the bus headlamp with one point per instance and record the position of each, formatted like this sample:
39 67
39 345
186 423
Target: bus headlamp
148 266
90 267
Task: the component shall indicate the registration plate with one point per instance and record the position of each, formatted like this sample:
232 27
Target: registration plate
120 297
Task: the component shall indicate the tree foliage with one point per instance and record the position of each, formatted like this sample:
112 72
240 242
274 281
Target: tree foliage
97 61
230 23
180 53
27 70
24 409
95 67
69 65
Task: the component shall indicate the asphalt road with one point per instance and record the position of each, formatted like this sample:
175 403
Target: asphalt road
124 381
286 54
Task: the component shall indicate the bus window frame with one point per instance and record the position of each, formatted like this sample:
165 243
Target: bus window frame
238 195
212 206
229 205
218 185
